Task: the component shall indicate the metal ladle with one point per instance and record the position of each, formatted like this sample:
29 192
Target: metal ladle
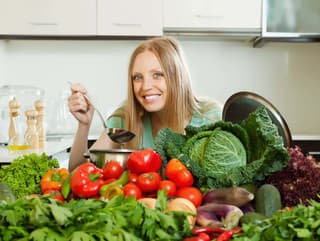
117 135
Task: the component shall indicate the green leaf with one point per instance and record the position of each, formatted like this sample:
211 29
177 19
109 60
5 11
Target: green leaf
60 214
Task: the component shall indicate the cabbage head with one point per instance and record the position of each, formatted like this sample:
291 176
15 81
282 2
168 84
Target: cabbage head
216 151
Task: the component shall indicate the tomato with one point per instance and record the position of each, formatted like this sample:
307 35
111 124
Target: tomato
132 190
169 186
109 180
149 181
173 166
193 194
112 169
146 160
133 177
56 195
183 178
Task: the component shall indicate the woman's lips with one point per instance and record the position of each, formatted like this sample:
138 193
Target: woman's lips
151 98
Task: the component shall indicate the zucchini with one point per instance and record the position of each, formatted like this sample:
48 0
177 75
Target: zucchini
267 200
6 193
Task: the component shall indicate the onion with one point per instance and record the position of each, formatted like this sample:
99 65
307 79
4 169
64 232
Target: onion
182 204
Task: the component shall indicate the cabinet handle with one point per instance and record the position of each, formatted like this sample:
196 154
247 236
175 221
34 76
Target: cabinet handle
209 16
44 24
128 24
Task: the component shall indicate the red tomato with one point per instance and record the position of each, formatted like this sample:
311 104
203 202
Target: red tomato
146 160
112 169
132 190
169 186
149 181
193 194
173 166
183 178
109 181
56 195
133 177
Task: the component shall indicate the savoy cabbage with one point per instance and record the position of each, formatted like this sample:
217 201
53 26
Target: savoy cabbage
254 149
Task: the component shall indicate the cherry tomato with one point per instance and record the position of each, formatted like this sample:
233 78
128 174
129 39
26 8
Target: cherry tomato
169 186
133 177
183 178
193 194
146 160
56 195
149 181
173 166
112 169
132 190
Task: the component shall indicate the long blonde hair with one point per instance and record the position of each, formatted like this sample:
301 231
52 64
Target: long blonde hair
180 102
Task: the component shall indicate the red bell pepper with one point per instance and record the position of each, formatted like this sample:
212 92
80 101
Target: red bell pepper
146 160
53 179
87 180
200 237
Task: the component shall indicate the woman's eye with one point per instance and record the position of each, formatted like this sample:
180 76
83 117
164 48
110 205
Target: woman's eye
157 75
136 77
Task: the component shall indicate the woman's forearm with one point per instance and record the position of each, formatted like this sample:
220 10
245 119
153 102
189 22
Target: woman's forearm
79 147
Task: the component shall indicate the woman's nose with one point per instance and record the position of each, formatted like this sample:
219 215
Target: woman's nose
147 83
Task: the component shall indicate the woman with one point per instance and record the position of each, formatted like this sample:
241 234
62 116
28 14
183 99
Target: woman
159 96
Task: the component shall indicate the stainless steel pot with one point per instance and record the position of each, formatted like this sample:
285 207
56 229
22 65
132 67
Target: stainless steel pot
101 156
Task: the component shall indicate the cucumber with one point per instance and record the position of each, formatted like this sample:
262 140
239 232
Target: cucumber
6 193
252 217
267 200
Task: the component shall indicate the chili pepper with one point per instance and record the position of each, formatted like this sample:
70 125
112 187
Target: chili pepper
225 236
86 180
53 179
200 237
207 230
121 181
66 187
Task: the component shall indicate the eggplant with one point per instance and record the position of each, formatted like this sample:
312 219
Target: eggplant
214 214
236 196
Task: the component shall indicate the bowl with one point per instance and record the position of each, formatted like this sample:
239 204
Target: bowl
101 156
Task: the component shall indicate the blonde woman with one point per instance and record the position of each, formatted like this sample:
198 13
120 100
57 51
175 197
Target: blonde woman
159 96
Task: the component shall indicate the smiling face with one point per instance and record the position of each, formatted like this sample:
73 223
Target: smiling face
149 84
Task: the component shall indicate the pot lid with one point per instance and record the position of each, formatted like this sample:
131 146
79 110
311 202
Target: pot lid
239 105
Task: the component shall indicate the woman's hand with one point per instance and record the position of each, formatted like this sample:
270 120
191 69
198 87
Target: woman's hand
79 106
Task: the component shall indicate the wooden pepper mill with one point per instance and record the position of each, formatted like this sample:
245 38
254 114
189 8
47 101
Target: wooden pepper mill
39 105
14 109
31 136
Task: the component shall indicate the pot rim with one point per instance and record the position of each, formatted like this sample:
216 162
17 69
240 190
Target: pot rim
111 151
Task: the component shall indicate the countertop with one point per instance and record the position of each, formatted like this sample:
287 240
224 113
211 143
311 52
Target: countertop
52 147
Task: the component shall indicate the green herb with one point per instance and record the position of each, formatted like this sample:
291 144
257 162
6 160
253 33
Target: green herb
23 175
300 223
121 218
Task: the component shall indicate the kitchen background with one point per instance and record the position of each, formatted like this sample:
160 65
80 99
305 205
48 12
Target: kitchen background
285 73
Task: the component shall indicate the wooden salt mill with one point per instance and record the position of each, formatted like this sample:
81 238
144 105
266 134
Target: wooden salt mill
39 105
31 135
14 106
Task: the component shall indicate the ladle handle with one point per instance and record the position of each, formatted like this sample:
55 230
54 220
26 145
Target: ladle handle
99 113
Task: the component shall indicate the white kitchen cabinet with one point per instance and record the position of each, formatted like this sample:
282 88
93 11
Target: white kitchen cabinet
47 17
212 15
129 17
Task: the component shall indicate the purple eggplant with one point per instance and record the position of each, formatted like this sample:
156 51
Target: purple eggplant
213 214
236 196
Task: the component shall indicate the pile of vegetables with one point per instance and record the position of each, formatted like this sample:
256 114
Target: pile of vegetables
299 182
224 154
23 175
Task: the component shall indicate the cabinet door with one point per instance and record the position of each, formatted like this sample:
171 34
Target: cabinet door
48 17
129 17
212 14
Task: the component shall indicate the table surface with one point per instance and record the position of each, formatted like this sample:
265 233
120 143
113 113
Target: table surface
52 147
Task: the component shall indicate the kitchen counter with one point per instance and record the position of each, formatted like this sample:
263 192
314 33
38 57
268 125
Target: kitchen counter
55 148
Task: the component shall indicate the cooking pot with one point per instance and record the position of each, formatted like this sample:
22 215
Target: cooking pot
101 156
